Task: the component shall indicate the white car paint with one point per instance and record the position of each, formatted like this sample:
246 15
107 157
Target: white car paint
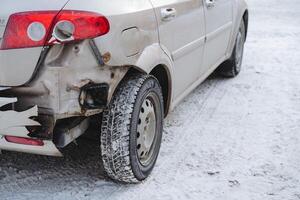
12 62
188 38
219 22
185 44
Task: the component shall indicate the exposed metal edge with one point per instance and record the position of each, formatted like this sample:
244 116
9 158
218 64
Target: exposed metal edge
48 149
14 123
72 134
4 88
39 64
6 100
96 52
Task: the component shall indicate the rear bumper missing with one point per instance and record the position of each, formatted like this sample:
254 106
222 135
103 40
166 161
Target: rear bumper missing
13 123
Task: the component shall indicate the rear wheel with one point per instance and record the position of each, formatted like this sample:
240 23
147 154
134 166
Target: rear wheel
132 129
232 67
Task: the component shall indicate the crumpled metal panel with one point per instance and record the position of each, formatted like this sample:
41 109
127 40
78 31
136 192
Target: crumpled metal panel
14 123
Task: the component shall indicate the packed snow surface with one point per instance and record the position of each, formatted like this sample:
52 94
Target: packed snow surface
230 139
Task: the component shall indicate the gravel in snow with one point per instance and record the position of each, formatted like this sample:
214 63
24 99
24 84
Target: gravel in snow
230 139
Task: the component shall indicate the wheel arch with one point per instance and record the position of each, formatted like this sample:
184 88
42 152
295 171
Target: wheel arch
163 75
155 61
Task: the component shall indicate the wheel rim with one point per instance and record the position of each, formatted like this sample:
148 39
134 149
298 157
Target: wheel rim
146 131
239 50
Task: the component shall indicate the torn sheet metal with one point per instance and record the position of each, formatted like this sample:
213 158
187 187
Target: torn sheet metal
14 123
4 88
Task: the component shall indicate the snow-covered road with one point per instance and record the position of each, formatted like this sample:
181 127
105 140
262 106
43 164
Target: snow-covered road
230 139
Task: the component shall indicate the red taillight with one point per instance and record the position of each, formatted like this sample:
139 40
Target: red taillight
25 141
18 29
85 25
39 28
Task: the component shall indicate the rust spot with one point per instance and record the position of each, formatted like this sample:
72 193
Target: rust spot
106 57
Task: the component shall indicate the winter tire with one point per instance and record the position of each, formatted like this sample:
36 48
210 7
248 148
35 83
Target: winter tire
132 129
232 67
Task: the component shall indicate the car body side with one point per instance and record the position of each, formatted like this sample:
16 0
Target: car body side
134 38
132 44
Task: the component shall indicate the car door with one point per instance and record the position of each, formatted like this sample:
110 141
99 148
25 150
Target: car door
218 15
182 33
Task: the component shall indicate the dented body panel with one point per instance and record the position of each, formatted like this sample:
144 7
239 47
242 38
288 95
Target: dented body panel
45 85
14 123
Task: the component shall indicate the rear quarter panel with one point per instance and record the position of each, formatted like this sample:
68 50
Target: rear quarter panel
17 66
133 30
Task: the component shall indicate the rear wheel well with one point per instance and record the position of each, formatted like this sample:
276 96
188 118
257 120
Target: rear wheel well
161 73
246 19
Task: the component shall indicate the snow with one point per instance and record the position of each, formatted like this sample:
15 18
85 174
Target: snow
230 139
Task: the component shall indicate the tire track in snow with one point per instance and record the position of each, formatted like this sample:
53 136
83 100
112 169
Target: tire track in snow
205 111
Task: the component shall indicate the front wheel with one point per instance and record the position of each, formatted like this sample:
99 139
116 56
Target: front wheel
132 129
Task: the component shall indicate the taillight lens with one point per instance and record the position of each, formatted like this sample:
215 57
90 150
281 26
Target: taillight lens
22 26
79 25
39 28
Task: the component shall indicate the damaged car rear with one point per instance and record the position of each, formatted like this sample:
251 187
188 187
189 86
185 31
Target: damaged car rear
61 63
42 79
131 61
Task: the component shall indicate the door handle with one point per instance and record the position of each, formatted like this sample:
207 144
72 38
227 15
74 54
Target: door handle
168 14
210 3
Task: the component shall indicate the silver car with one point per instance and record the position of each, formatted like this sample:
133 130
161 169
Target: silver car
130 62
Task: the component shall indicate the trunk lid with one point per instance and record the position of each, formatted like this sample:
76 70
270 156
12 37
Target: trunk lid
17 66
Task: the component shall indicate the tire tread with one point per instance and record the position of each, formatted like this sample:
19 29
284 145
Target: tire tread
115 130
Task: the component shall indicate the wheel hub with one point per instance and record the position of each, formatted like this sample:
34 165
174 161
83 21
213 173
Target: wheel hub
146 131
